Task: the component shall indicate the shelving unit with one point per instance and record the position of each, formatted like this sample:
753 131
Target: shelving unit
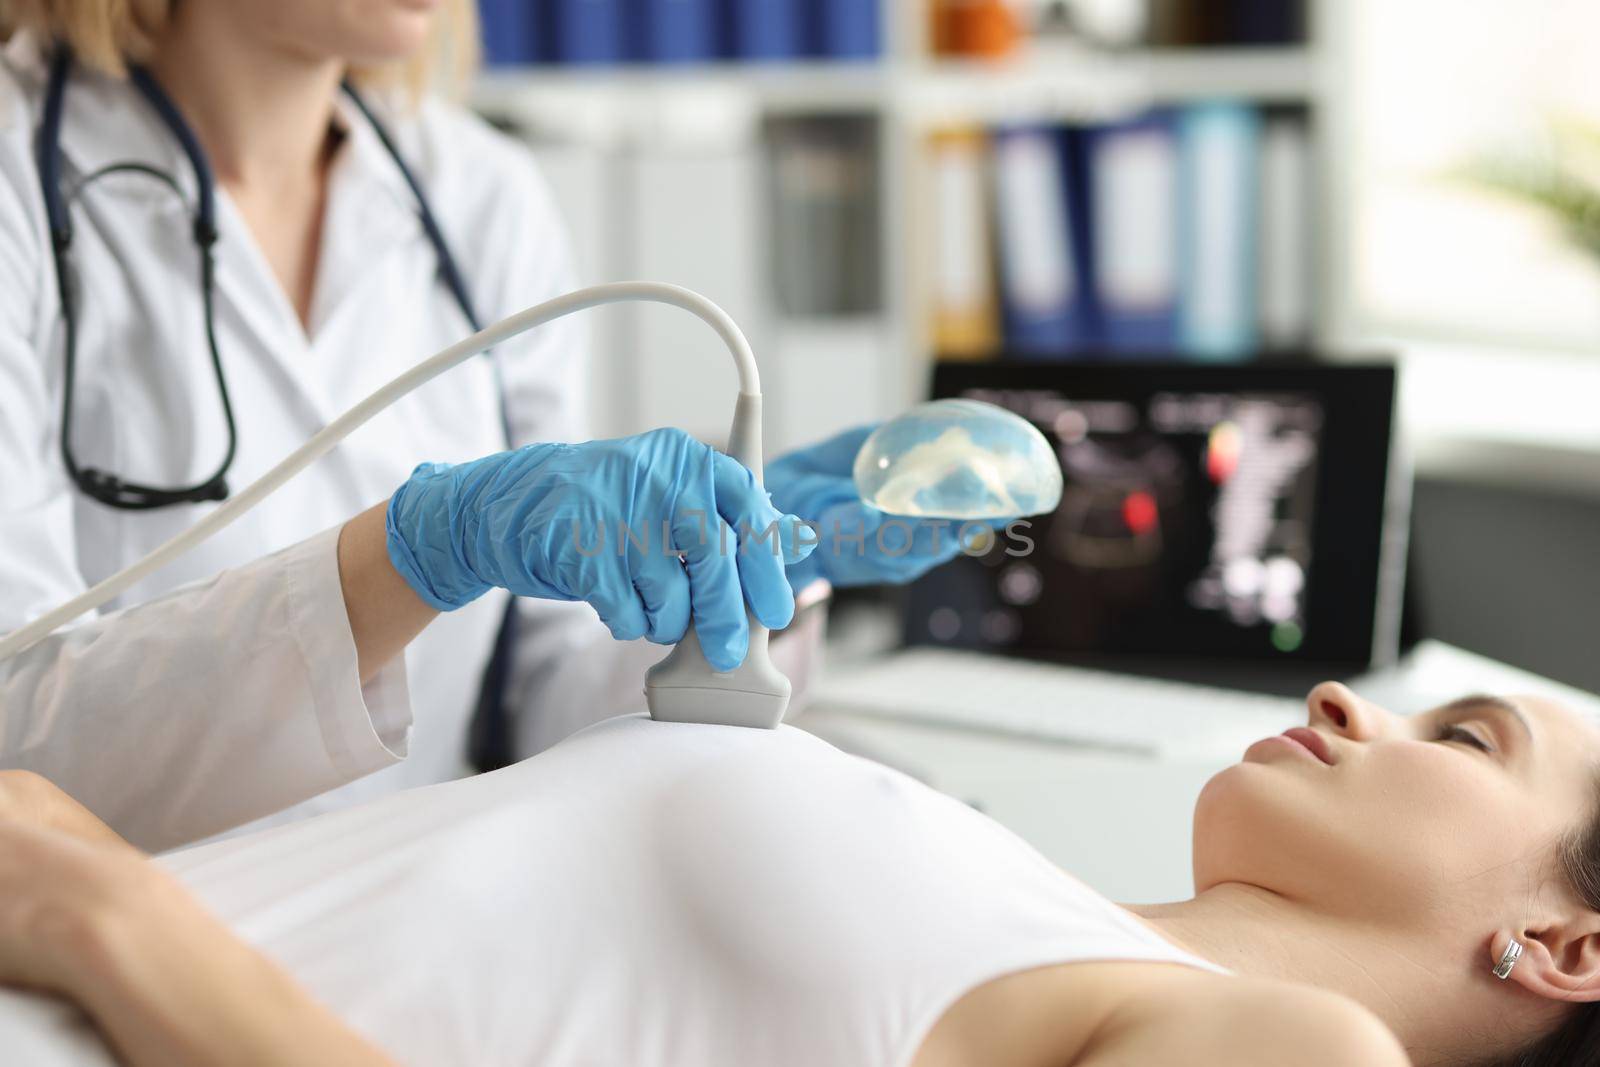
1063 81
713 108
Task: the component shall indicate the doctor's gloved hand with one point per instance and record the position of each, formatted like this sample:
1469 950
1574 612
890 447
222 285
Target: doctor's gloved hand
652 531
857 544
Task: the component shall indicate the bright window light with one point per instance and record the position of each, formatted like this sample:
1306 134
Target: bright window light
1439 85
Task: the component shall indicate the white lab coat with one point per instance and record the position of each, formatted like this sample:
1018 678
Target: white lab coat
195 708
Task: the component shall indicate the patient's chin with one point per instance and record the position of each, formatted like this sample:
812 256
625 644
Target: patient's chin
1226 823
1230 794
1254 824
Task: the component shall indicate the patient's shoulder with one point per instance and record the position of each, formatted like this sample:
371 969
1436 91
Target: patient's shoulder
1250 1023
1314 1027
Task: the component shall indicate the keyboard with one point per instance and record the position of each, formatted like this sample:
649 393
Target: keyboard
1071 705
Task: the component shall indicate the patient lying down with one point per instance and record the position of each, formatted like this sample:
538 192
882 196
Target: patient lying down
654 894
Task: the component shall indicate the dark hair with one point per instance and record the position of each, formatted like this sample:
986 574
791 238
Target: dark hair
1576 1042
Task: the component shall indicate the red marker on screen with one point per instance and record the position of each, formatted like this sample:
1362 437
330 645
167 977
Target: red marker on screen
1139 512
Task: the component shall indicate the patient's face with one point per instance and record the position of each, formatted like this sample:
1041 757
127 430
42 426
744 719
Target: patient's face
1443 816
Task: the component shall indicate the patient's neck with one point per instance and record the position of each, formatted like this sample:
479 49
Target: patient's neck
1423 986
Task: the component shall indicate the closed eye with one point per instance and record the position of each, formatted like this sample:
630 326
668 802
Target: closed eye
1455 732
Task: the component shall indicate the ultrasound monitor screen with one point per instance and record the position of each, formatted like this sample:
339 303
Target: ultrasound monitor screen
1206 511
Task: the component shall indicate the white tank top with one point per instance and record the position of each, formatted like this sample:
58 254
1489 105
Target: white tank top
656 895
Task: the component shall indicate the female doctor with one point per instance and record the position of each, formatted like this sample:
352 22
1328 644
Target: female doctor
222 223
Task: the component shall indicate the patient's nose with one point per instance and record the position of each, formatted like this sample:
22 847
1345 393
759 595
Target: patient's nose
1335 706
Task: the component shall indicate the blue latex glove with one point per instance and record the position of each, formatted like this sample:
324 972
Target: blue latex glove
552 521
816 483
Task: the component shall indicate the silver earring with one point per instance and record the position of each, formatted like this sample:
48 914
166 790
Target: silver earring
1508 959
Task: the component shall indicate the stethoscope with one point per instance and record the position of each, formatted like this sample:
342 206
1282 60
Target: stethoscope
102 485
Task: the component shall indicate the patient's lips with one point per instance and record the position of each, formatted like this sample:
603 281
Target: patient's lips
1302 740
1312 741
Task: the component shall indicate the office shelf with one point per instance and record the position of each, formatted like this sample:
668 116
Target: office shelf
1045 82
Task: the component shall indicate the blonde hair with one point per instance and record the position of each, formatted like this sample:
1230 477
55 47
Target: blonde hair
107 34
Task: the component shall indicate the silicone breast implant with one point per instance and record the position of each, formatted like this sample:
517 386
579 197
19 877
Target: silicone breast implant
958 459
